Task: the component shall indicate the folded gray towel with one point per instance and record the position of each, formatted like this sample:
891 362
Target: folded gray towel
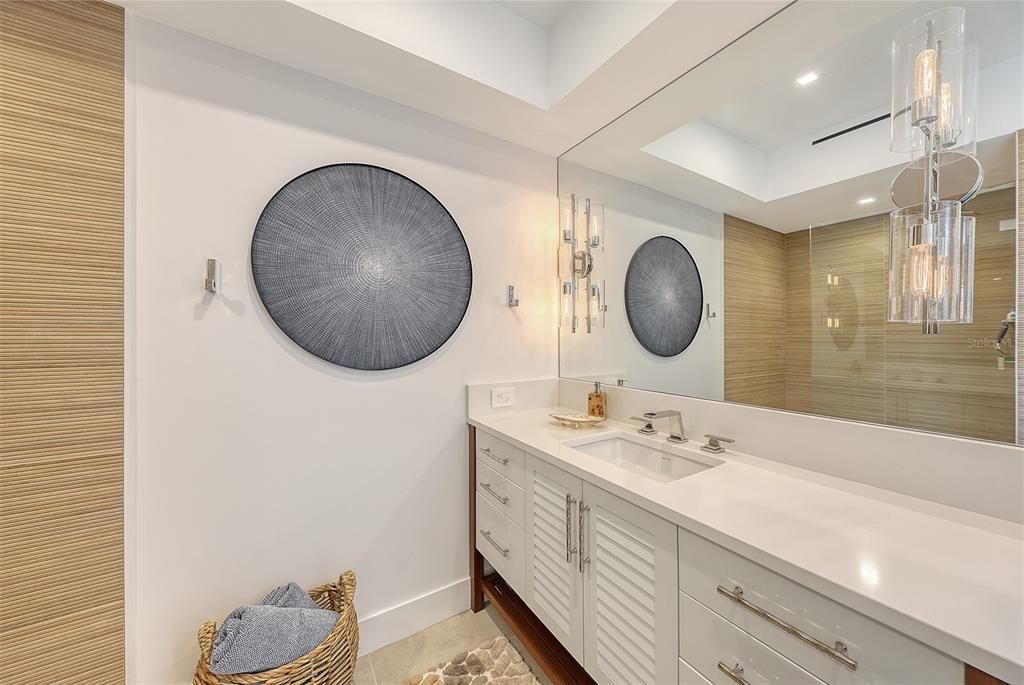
290 595
257 638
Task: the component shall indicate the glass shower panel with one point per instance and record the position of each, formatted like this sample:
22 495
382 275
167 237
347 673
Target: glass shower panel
959 381
848 277
845 360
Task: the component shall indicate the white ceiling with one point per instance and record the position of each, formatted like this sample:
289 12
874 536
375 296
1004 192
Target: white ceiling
853 78
734 134
478 63
543 13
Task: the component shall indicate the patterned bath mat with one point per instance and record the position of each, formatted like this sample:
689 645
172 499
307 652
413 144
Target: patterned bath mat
495 662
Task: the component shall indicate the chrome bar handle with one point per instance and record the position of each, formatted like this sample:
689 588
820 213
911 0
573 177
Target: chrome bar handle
569 549
487 486
487 536
735 673
501 460
837 652
584 557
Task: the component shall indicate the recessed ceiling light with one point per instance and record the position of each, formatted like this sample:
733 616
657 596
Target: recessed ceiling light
865 200
809 77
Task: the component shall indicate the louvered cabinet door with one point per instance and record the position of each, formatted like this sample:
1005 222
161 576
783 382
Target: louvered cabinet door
554 584
630 598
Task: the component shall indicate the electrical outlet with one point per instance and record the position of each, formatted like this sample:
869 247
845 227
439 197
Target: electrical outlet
503 397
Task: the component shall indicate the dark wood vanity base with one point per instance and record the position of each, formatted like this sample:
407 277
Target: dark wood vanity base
546 650
973 676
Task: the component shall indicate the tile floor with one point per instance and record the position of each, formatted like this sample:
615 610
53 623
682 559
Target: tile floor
437 644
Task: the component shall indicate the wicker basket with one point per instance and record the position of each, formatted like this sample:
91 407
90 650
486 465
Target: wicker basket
333 662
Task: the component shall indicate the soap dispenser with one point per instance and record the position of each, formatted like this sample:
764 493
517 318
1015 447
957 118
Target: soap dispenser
597 402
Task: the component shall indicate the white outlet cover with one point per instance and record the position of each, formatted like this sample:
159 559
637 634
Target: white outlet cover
502 397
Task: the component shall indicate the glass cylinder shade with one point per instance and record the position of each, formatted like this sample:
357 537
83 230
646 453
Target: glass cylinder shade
566 218
595 225
566 308
928 83
926 269
967 270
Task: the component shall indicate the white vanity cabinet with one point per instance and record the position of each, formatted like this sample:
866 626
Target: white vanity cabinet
629 591
636 600
554 584
601 575
740 613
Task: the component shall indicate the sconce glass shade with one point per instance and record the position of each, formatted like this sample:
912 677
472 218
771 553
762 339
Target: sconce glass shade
926 264
595 225
566 311
929 79
596 306
566 218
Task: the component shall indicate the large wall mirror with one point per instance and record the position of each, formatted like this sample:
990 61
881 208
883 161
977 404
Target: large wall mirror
771 164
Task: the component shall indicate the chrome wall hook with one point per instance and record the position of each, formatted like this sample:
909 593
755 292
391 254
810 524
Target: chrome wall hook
212 282
710 314
512 300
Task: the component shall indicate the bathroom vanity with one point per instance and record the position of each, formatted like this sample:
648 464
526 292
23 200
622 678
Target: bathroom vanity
624 558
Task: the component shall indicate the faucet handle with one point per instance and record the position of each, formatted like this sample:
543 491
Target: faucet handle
713 445
648 428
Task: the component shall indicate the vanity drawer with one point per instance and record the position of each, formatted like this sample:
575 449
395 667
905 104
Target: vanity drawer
712 646
501 542
501 456
688 675
771 606
505 495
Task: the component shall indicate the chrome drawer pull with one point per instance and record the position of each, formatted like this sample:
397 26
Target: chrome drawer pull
501 460
569 549
487 536
838 652
735 673
487 486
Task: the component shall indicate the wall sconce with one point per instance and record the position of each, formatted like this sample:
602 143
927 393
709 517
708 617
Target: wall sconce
578 241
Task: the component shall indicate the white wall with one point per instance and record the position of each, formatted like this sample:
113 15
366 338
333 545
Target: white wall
633 215
253 463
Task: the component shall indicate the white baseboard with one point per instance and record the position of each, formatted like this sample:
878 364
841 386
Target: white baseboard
402 620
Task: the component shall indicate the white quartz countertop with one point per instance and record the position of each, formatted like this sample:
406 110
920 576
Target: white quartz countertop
949 578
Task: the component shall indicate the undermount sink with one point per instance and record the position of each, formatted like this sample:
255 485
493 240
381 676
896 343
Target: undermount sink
643 456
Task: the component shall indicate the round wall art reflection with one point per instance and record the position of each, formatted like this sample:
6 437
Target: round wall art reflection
664 296
361 266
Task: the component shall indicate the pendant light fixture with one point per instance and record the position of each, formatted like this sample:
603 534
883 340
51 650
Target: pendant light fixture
931 259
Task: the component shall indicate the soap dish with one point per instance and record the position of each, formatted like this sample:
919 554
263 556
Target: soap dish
577 420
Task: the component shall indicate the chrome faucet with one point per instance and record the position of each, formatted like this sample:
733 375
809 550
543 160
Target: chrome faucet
673 436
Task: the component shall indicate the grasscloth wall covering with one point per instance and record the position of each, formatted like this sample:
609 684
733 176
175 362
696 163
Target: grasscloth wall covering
1019 340
861 367
755 321
61 351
